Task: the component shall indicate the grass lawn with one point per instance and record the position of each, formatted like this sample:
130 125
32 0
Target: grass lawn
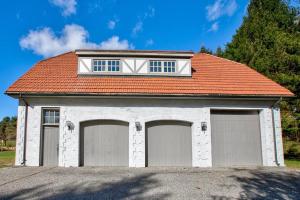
292 163
7 158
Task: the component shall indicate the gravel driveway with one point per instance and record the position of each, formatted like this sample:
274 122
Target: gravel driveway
148 183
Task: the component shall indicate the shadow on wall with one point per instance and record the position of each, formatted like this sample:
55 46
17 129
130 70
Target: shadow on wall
259 184
127 188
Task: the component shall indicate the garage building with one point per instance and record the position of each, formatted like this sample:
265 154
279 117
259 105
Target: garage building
146 109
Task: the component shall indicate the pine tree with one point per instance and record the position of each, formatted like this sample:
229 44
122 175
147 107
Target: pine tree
219 52
3 129
203 49
269 41
8 128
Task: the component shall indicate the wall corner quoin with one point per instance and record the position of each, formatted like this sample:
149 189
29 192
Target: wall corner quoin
20 134
278 136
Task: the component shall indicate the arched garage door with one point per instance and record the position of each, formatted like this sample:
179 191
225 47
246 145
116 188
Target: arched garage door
168 143
104 143
235 138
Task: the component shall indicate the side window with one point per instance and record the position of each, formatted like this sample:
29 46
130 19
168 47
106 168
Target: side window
51 116
162 66
106 65
99 65
155 66
169 66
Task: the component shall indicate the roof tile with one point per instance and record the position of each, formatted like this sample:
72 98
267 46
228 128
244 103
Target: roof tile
211 76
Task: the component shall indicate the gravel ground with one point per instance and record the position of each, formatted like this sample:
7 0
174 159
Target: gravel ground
148 183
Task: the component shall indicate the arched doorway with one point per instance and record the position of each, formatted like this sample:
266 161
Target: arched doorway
168 143
104 143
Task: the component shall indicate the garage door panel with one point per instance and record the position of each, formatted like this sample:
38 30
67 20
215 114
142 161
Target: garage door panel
168 143
236 138
105 143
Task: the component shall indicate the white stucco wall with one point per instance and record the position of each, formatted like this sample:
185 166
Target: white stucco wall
138 110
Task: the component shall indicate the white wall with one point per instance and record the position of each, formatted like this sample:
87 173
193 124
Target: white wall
137 110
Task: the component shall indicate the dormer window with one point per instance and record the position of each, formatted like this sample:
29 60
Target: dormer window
134 63
101 65
165 66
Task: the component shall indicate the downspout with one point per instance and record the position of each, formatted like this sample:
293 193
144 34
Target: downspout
25 129
273 107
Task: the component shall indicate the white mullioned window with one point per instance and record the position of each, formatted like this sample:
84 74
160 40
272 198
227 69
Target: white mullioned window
50 116
165 66
155 66
169 66
106 65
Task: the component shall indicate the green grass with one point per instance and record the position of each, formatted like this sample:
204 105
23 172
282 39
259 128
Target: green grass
292 157
7 158
292 163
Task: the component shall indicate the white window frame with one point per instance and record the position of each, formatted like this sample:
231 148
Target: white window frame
106 66
162 66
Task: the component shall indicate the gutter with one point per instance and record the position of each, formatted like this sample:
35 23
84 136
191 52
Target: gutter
139 95
25 129
273 107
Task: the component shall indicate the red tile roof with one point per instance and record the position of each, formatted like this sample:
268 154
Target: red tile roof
211 76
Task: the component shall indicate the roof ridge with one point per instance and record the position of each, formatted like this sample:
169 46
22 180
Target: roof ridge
52 57
225 59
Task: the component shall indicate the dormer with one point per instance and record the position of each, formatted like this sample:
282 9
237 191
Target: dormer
133 62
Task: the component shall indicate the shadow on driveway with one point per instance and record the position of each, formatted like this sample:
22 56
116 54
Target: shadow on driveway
260 184
126 188
150 183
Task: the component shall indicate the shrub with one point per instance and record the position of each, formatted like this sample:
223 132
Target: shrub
293 151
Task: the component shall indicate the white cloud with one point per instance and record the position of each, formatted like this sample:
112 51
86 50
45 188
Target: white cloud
149 13
115 43
68 6
149 42
46 43
214 27
111 24
94 6
231 7
220 8
137 28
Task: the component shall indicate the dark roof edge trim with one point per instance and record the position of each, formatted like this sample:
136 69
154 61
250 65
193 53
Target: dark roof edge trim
143 53
16 95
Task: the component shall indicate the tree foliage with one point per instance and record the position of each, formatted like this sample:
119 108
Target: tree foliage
203 49
8 128
269 41
219 52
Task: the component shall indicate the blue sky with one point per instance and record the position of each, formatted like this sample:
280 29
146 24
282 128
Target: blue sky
32 30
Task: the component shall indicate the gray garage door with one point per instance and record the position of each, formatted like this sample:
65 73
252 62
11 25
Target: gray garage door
104 143
50 145
236 138
168 143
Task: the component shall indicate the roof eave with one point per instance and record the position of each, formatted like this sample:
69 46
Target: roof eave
38 94
145 53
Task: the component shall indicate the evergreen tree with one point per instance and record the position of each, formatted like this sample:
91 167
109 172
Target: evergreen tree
219 52
203 49
3 129
269 41
8 128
